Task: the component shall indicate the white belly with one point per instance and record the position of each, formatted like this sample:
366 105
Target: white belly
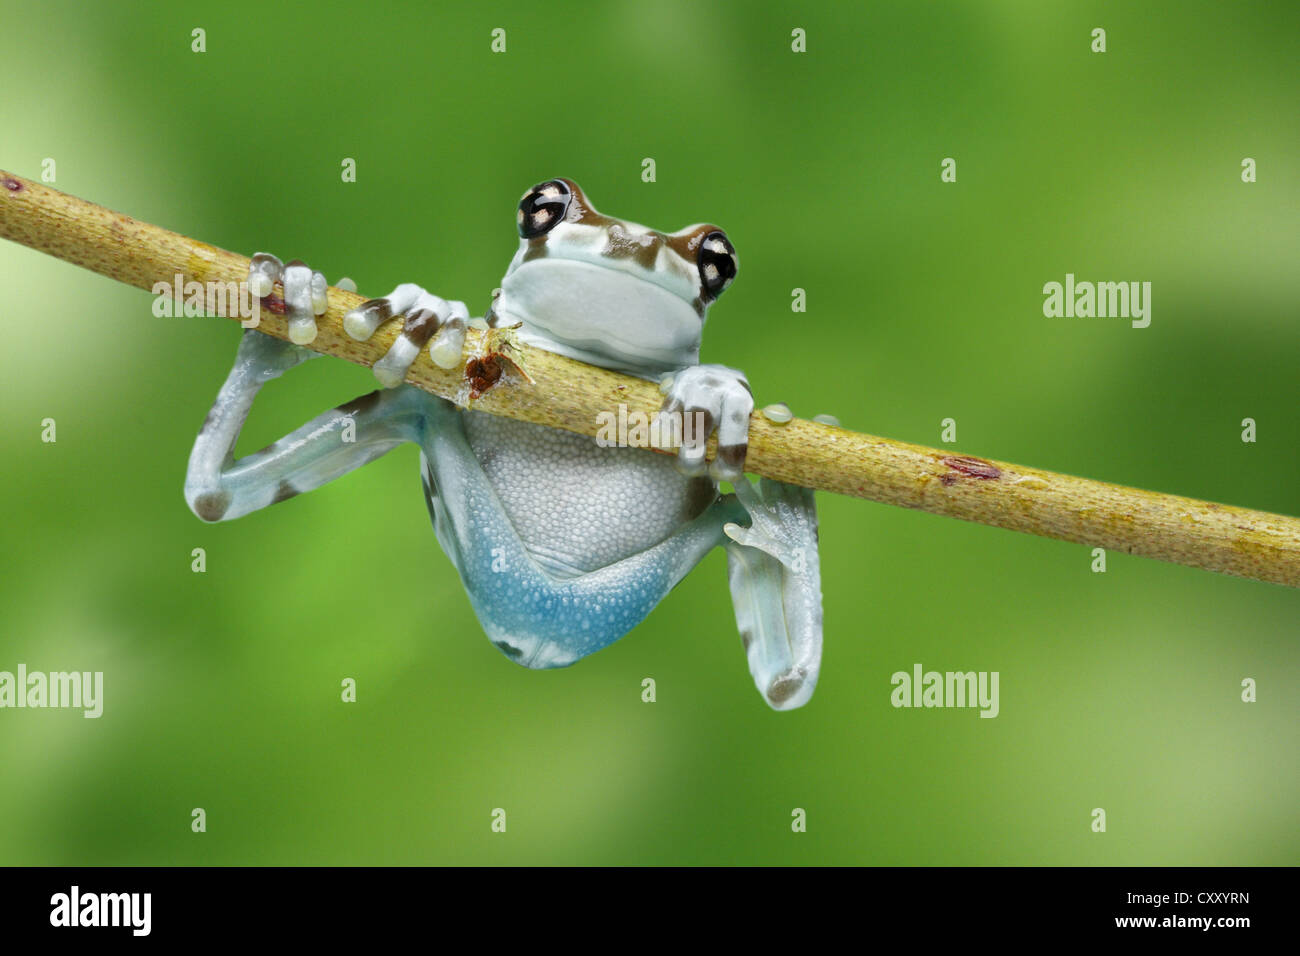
577 506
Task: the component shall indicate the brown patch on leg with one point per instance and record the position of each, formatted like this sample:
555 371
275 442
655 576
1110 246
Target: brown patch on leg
212 505
360 404
283 492
784 687
732 457
509 650
700 493
419 326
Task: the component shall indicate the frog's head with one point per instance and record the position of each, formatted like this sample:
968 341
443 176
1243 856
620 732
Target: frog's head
611 292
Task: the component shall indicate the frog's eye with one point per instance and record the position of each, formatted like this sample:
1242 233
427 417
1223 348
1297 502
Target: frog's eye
543 207
718 264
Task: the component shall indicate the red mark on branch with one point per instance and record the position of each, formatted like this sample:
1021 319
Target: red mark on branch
483 373
971 467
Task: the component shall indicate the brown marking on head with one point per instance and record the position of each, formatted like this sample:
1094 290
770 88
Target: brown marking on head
580 207
536 248
483 373
13 185
687 244
641 248
275 303
971 467
212 505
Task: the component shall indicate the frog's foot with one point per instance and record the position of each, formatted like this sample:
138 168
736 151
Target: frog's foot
783 521
704 398
304 292
775 578
425 317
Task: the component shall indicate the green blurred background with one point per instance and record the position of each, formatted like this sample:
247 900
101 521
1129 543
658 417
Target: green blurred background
1118 690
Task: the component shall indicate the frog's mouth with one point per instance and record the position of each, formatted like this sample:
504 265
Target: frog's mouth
602 315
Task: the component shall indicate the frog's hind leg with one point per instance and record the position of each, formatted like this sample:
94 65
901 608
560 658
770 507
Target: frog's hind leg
218 487
775 576
546 617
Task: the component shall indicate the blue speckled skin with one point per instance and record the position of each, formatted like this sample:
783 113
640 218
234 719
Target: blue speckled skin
536 617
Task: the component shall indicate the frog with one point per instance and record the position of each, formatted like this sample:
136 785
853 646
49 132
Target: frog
563 544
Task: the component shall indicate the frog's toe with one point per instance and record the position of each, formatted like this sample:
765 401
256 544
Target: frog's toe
427 319
789 690
433 319
264 271
694 425
361 322
304 299
449 343
305 292
733 438
702 399
418 326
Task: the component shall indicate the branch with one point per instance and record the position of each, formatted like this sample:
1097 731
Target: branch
562 393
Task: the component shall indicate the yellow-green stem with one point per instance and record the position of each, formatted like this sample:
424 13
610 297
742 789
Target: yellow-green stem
562 393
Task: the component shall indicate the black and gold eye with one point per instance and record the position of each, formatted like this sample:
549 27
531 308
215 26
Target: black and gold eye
717 263
543 208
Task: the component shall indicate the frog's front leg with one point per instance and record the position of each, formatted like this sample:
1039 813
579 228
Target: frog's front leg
217 486
772 564
425 317
702 399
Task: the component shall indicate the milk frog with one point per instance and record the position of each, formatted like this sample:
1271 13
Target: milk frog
562 545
